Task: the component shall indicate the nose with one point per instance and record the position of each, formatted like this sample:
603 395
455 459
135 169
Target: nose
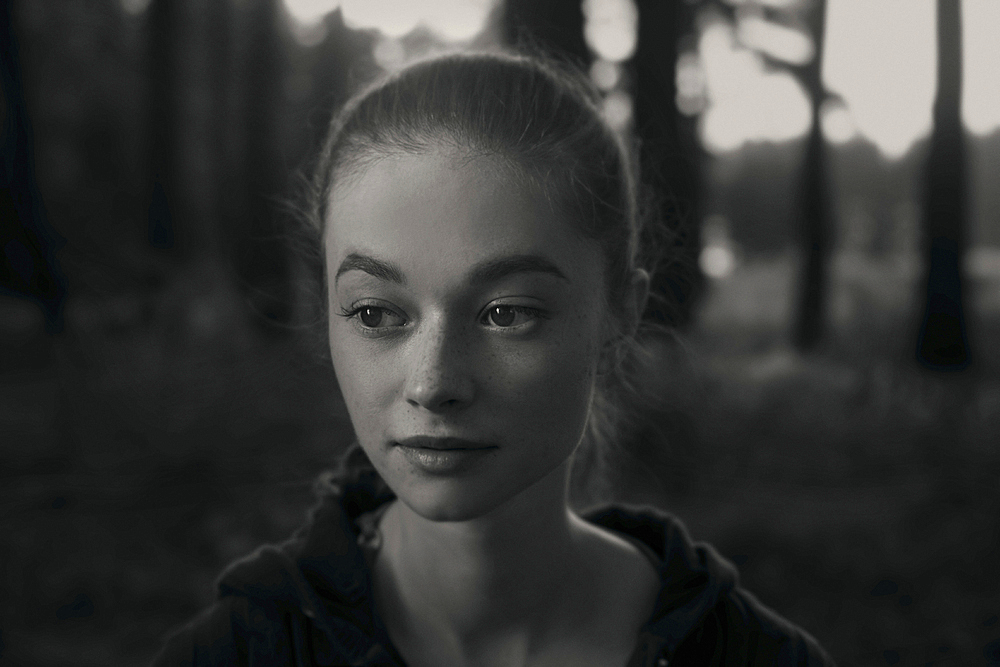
440 377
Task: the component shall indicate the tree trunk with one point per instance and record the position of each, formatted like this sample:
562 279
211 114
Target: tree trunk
251 177
28 265
942 342
814 201
554 27
670 160
181 103
162 97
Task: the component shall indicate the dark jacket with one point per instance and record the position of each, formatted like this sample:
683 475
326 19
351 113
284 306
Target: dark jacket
308 601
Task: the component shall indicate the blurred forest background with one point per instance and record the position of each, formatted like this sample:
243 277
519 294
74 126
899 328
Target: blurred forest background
828 415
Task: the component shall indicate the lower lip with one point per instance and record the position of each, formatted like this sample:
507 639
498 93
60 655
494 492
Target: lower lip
444 461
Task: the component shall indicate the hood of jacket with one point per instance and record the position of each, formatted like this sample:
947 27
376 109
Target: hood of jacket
693 576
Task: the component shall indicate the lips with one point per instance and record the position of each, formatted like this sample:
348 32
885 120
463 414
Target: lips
443 444
444 457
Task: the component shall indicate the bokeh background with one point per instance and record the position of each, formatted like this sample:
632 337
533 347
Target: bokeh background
827 414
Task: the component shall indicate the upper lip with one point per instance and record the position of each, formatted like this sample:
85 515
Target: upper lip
427 442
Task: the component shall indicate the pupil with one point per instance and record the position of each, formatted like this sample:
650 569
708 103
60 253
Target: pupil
502 316
371 317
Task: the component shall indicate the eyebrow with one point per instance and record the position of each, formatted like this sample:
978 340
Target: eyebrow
483 273
382 270
495 269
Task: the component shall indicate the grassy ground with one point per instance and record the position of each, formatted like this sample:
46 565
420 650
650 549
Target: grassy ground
147 447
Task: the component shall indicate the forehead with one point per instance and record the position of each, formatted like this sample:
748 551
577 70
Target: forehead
448 207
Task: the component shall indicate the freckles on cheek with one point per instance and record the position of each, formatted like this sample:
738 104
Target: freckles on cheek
360 377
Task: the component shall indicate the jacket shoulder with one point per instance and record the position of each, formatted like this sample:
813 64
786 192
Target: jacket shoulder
235 631
741 630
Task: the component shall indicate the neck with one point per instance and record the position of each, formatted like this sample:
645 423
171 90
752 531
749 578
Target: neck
505 572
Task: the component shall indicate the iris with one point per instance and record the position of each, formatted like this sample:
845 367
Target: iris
371 316
502 316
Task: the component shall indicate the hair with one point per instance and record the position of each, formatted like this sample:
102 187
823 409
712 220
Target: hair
541 120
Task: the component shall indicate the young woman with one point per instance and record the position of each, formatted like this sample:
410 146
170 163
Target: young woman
479 230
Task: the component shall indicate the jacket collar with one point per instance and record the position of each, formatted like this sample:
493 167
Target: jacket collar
693 575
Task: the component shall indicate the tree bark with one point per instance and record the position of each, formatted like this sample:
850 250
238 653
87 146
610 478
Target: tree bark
942 342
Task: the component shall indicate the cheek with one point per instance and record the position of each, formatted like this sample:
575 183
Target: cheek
363 381
550 391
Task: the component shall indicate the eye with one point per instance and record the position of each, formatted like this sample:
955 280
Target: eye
375 317
506 316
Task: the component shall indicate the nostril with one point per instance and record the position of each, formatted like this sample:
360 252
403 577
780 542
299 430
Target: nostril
438 380
437 400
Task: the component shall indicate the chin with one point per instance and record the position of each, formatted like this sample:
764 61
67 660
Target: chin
448 501
459 499
474 489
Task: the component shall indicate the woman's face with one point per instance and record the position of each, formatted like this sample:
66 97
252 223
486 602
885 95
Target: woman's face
466 321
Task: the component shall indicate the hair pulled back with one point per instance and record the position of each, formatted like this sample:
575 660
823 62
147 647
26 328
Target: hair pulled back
542 121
